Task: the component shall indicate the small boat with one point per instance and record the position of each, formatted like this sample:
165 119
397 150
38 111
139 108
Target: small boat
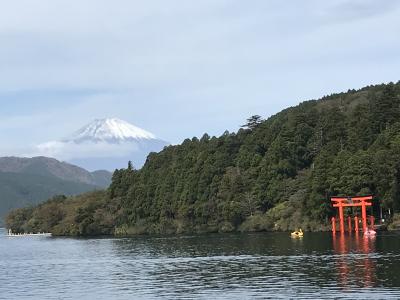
297 234
370 233
39 234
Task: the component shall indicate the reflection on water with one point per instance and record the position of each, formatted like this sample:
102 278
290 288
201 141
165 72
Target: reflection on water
356 259
234 266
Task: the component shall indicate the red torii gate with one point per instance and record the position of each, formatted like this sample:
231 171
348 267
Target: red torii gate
358 201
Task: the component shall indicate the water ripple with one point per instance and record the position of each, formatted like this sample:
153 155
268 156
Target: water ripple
234 266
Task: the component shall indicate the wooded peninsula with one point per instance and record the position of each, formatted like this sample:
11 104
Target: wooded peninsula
274 174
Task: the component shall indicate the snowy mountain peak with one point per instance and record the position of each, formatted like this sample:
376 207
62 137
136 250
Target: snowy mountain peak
104 144
110 130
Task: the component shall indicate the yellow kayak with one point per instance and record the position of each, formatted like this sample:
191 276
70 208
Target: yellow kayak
297 234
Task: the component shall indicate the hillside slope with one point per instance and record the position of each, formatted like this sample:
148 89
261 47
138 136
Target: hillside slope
46 166
29 181
19 190
276 174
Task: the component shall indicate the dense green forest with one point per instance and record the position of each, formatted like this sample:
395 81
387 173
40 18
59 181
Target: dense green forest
274 174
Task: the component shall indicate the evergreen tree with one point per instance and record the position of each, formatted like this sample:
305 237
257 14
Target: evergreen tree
253 122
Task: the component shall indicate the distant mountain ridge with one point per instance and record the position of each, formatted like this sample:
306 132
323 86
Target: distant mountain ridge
22 190
105 144
29 181
46 166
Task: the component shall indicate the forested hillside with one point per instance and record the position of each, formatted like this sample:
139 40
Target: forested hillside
275 174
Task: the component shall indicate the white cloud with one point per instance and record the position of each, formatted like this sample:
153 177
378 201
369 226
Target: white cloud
70 150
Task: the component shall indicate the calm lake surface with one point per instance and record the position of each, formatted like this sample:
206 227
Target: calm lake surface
233 266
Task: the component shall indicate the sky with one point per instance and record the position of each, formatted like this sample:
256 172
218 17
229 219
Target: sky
182 68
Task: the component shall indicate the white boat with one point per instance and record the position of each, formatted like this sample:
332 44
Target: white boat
370 233
42 234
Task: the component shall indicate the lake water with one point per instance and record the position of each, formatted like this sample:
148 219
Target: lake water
232 266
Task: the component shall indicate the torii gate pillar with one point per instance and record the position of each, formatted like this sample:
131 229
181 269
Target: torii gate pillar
364 216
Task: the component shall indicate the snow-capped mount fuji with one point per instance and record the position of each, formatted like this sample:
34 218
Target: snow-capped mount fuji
110 130
104 144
